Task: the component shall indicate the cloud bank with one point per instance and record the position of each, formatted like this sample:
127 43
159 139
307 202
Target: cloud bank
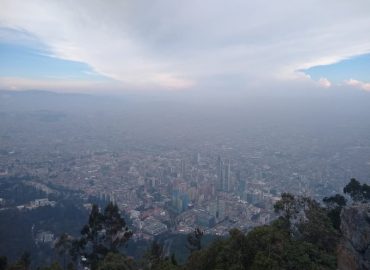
166 44
358 84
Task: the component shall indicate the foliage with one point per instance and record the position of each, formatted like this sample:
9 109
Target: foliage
63 246
3 262
318 228
334 205
155 259
26 260
115 261
53 266
287 205
305 236
116 231
104 233
265 247
302 238
357 191
336 200
16 266
23 262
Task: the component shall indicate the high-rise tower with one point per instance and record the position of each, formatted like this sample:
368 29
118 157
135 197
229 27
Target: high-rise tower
226 182
220 174
183 171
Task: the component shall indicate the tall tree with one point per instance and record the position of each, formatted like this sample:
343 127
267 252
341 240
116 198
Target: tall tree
63 246
116 230
104 233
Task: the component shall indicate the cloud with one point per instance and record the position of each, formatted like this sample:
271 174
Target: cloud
358 84
57 85
176 45
324 82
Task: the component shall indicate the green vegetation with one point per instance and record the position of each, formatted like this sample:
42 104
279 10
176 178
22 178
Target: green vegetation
104 234
334 205
305 236
302 238
357 191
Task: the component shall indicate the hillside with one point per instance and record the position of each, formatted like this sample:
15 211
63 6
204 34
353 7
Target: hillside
307 235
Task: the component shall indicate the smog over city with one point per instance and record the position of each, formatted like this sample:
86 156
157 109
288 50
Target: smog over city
194 122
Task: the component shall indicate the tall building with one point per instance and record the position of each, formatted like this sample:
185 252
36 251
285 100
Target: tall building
180 201
213 208
204 219
183 169
196 160
240 183
226 183
221 209
220 174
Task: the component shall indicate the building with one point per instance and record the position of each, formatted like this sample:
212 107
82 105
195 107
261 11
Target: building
226 181
204 219
154 227
220 173
183 169
44 237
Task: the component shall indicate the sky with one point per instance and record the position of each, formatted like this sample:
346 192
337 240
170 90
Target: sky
165 45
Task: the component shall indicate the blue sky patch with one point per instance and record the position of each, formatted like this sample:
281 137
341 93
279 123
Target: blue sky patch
354 68
28 62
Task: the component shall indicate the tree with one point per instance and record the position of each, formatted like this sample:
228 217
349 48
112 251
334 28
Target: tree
23 263
53 266
74 253
71 266
292 210
26 260
173 259
317 228
334 201
357 191
154 256
3 262
104 233
306 220
287 206
262 261
63 246
334 205
194 240
116 231
91 237
16 266
156 259
115 261
264 247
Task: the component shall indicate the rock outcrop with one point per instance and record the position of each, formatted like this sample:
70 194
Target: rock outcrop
354 248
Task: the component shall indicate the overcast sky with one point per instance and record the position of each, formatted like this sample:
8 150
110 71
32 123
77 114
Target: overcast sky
90 45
